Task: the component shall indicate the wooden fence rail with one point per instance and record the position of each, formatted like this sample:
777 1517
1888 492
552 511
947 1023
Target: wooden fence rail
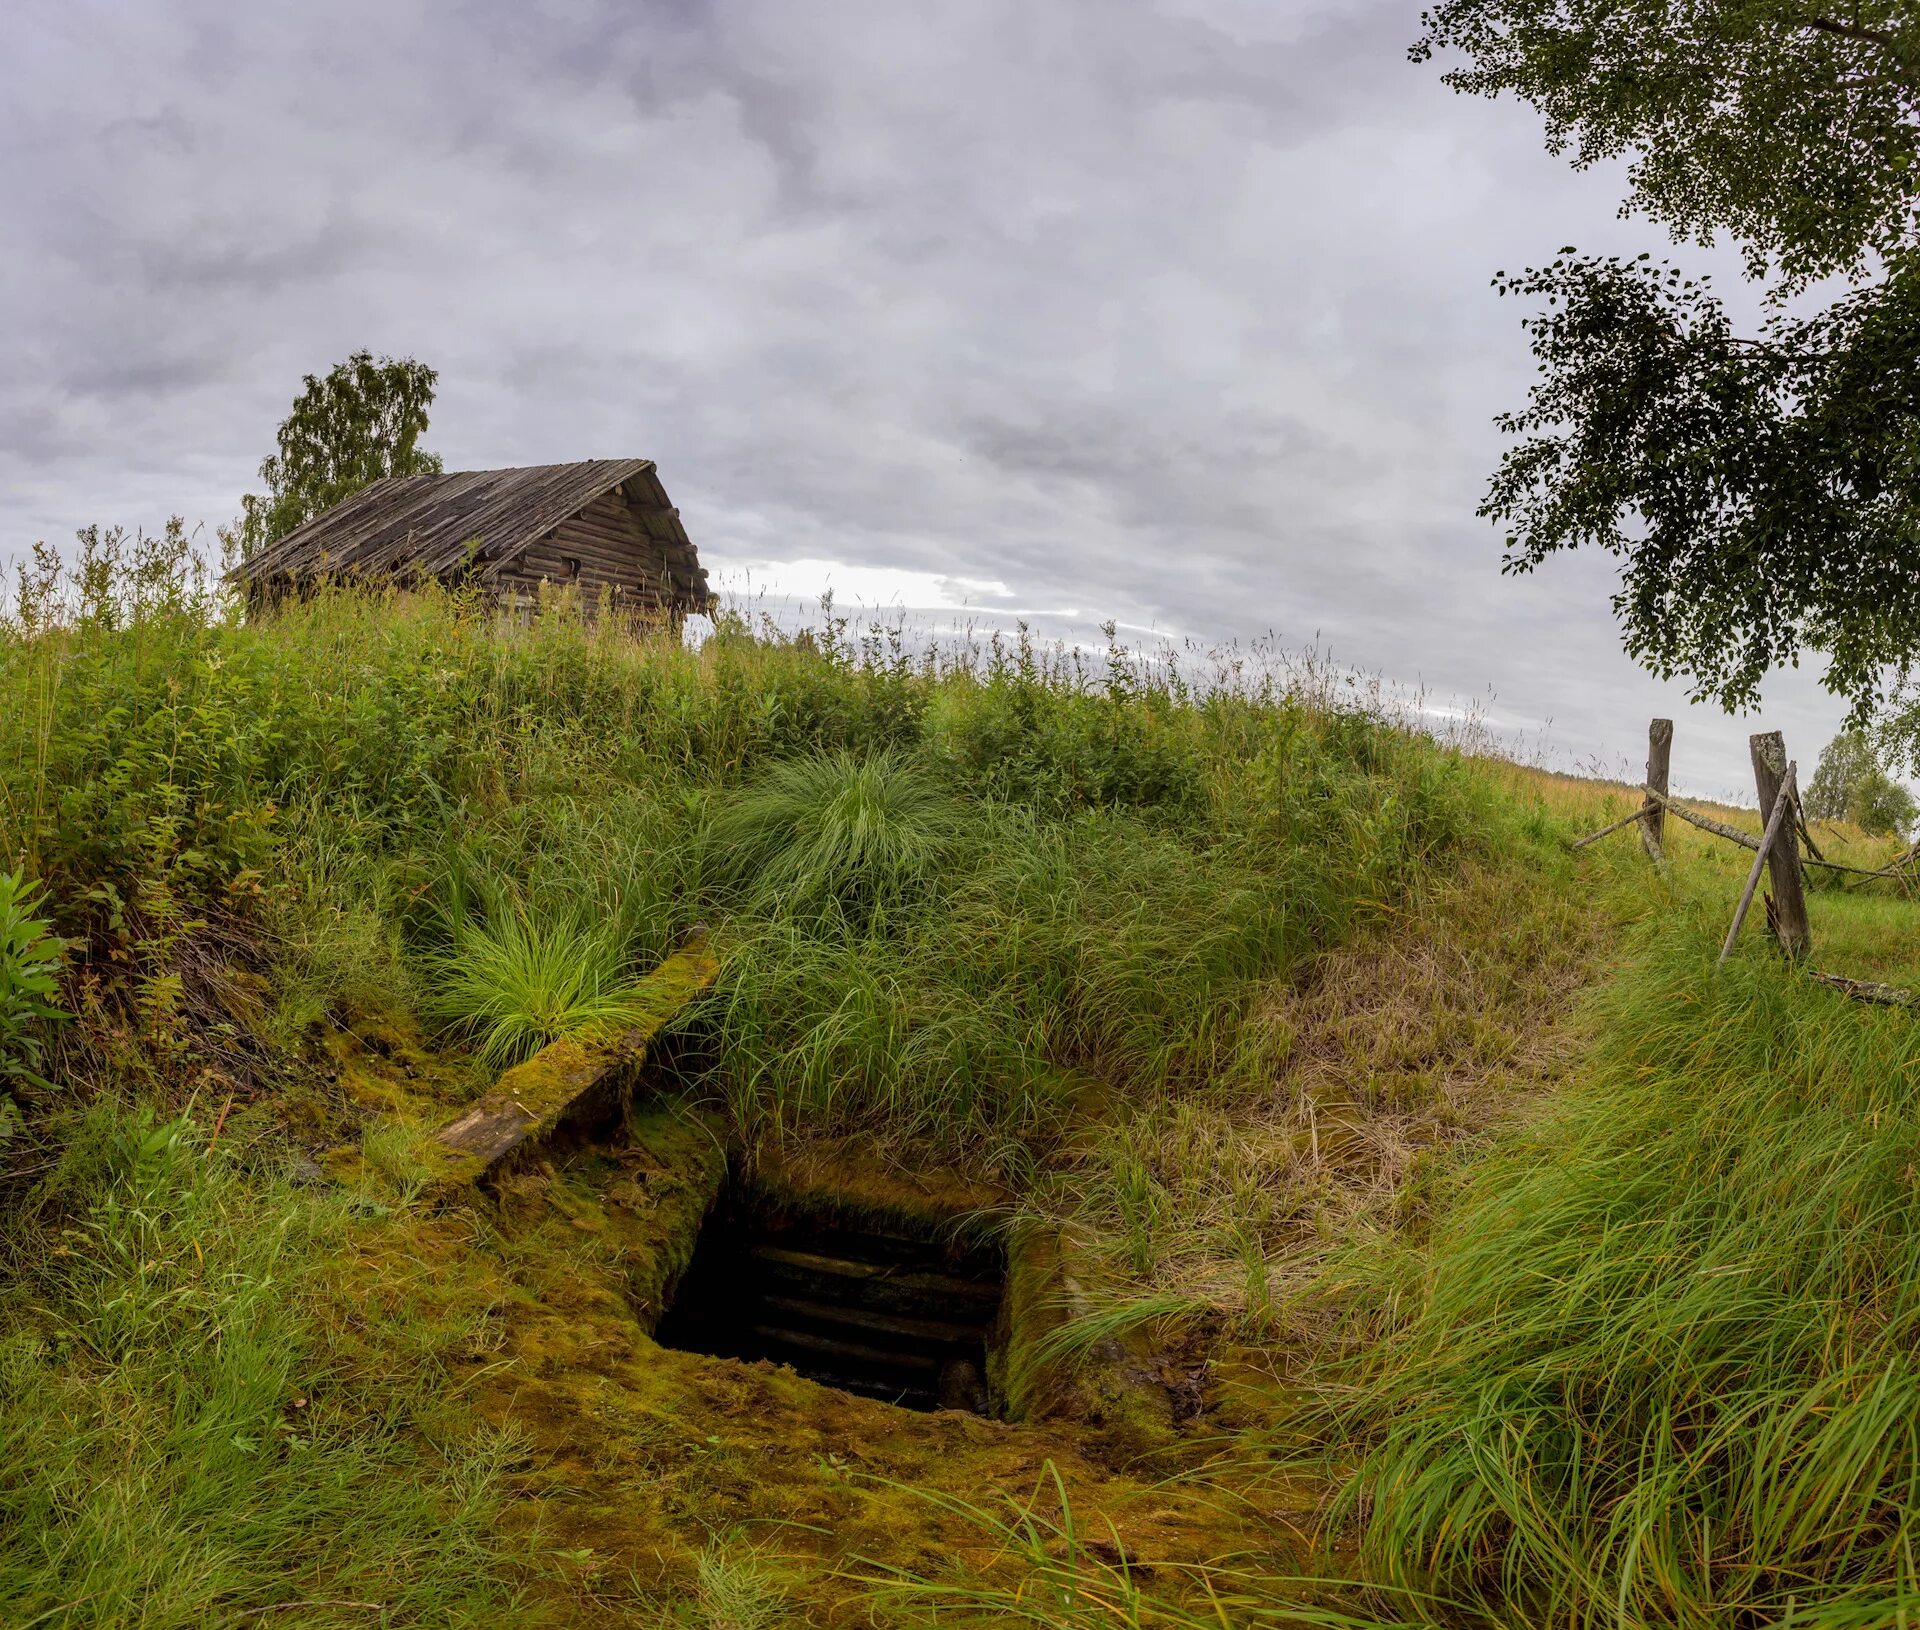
1776 852
1747 840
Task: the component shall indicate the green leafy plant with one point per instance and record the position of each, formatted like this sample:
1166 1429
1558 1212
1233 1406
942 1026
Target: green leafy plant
30 962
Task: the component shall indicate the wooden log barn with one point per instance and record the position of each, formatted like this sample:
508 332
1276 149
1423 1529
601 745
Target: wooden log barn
605 525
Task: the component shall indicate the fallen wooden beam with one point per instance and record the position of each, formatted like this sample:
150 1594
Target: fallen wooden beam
1806 833
1747 840
1868 990
1608 831
1892 870
1706 823
1655 853
567 1079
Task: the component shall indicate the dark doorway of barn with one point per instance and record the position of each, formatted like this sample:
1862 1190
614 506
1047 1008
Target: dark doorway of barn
854 1304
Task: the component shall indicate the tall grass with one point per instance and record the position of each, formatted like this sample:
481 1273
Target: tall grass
510 982
954 889
1654 1364
177 1446
1044 948
836 830
947 876
1662 1367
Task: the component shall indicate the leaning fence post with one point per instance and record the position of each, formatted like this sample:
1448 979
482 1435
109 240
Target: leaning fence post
1653 829
1770 770
1769 836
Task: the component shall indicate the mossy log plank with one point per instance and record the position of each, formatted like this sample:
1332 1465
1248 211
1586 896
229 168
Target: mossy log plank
533 1100
908 1287
855 1351
1112 1384
937 1331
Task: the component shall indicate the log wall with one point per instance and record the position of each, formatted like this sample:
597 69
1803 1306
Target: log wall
629 545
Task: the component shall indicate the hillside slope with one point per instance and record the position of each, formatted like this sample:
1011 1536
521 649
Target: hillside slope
1232 1020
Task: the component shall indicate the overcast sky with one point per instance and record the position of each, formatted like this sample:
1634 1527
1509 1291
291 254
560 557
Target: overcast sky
1175 313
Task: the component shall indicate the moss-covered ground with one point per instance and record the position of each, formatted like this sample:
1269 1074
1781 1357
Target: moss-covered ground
639 1463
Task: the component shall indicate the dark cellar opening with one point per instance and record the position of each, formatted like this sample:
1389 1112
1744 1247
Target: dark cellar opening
854 1303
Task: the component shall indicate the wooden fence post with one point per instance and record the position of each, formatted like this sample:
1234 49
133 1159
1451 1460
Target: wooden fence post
1653 829
1789 911
1769 836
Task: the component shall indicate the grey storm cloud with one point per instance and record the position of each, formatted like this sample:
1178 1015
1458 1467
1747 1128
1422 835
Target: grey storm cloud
1176 313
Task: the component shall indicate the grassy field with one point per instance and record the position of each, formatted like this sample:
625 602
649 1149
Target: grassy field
1529 1270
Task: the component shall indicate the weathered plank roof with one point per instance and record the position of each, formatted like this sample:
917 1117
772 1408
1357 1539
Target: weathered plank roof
433 525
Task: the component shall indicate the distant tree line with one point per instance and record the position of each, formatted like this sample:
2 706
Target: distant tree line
1851 785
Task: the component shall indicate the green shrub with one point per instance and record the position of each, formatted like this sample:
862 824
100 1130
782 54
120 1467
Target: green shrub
30 960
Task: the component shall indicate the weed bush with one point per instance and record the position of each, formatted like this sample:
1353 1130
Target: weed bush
1028 866
30 961
510 981
836 830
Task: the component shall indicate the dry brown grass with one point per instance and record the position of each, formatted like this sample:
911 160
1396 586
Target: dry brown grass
1395 1051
